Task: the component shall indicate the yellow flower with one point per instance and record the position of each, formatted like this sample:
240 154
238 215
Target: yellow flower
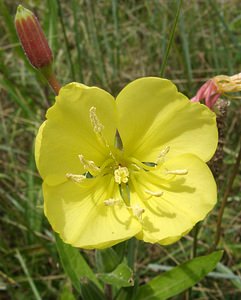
148 179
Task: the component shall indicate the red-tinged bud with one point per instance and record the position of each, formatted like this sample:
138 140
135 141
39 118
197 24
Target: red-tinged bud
32 38
35 44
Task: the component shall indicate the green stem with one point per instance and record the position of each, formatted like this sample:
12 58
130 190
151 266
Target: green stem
78 40
196 229
195 239
66 41
132 252
225 199
163 66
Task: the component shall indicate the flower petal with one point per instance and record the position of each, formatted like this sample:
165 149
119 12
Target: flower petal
68 132
186 199
154 115
78 213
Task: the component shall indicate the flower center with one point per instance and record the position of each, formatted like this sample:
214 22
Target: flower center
126 171
121 175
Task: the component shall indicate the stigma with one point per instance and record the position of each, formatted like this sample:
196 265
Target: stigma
121 175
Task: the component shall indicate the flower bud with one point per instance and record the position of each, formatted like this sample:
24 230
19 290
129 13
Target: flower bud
32 38
35 45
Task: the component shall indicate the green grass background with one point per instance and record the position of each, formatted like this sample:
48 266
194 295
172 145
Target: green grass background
108 44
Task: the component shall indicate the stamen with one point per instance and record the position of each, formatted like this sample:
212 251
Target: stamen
142 165
75 177
112 202
89 165
177 172
121 175
97 126
137 211
162 154
136 167
155 194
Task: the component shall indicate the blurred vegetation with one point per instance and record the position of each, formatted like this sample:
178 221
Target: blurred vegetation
108 44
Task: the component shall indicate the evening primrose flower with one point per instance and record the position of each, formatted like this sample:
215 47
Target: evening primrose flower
134 166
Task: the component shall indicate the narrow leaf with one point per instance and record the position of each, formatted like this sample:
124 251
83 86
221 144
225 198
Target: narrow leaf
28 276
236 280
74 264
179 278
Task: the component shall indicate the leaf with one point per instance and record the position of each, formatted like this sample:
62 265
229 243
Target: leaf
74 264
90 291
179 278
107 260
66 294
120 277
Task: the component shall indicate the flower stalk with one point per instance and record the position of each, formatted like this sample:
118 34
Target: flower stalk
225 199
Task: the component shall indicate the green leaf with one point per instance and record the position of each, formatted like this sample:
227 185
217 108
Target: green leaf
74 264
179 278
107 260
120 277
90 291
66 294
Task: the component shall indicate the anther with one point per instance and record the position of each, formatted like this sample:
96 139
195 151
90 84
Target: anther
97 126
137 211
162 154
177 172
75 177
89 165
112 202
121 175
155 194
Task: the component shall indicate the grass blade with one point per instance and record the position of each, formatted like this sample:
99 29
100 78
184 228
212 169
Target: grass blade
28 276
163 66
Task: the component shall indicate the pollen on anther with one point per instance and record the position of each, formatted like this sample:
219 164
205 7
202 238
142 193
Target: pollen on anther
75 177
154 193
177 172
162 154
112 202
137 211
89 165
96 124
